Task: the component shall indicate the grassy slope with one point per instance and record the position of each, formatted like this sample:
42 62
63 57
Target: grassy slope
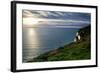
79 50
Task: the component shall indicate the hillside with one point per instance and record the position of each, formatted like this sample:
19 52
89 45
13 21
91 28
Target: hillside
79 50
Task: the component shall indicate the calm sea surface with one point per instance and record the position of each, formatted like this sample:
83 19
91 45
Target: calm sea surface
40 40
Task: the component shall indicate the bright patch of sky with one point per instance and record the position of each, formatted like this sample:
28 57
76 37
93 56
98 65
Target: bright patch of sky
56 18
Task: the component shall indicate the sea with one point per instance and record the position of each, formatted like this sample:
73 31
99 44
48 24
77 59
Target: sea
36 41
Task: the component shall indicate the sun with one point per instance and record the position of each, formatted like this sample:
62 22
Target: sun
30 21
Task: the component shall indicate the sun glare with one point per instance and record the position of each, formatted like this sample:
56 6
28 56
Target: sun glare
30 21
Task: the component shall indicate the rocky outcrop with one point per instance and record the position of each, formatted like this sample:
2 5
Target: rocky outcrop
77 37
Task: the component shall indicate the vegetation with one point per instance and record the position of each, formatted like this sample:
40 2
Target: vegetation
79 50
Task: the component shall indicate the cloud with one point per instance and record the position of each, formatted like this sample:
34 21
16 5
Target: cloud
29 13
43 13
56 15
58 19
53 14
60 13
46 13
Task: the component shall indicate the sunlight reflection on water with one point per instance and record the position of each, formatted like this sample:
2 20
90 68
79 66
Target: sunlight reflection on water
39 40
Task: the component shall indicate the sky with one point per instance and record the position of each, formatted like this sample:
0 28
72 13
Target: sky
38 18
